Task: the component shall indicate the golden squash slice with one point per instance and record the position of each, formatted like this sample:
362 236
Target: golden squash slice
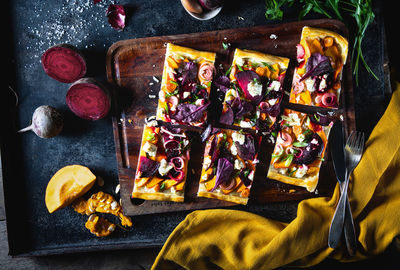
68 184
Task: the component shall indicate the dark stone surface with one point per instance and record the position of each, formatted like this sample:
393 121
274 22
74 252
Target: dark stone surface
37 25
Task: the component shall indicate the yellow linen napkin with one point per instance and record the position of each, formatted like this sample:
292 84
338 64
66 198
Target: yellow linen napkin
232 239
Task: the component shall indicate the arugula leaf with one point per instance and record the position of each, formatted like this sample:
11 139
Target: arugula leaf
273 9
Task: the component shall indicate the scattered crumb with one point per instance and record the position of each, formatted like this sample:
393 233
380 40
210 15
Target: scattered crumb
292 190
152 96
240 18
156 79
273 36
100 181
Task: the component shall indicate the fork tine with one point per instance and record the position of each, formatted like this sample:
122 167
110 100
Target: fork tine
351 138
360 145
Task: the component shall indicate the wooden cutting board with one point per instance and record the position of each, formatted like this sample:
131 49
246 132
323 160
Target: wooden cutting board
134 68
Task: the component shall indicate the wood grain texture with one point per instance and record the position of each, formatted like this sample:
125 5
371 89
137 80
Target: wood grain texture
135 66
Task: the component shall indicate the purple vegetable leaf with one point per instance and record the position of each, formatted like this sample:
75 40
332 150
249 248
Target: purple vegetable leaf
189 112
222 83
224 171
227 116
317 64
247 150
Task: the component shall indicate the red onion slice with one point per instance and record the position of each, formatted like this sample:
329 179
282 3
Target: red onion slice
178 163
300 52
171 144
116 16
180 175
329 99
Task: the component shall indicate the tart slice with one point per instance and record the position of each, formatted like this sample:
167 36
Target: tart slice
255 93
162 166
229 166
185 86
299 149
317 80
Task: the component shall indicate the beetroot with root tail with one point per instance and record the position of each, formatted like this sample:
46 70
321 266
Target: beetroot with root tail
64 63
47 122
88 99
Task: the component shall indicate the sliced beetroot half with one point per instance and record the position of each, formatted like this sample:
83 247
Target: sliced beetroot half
244 78
88 99
64 63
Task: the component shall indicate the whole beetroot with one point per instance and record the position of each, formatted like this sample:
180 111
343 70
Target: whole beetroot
47 122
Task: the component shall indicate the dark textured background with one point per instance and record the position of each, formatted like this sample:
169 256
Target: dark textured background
29 162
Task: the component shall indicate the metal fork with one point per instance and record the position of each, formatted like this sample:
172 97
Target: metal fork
353 152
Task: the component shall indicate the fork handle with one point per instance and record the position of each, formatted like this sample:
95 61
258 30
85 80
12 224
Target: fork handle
349 231
336 228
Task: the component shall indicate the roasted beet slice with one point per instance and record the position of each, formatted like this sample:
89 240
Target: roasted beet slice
148 167
88 99
64 63
244 78
323 119
308 153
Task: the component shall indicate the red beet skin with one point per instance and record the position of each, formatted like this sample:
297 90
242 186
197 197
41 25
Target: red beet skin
64 63
88 99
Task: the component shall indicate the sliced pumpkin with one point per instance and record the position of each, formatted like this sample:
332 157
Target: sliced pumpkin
154 181
315 46
169 183
172 63
66 185
140 182
274 72
306 97
180 186
210 184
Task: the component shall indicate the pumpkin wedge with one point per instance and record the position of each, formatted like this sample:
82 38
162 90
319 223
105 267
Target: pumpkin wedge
66 185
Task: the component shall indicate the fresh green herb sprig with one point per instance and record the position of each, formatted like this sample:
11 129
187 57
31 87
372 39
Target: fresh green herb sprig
360 10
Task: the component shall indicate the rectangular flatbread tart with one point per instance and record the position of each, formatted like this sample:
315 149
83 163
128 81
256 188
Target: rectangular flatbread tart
317 80
255 92
229 165
299 149
162 166
185 86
